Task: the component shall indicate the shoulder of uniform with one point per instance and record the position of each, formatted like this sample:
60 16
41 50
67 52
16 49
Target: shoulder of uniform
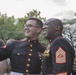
17 41
59 39
23 40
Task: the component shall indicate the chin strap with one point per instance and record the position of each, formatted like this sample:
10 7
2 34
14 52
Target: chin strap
46 52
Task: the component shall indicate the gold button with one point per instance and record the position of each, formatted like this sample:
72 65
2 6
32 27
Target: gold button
28 59
26 70
28 65
40 58
30 45
30 54
31 50
41 73
18 53
41 66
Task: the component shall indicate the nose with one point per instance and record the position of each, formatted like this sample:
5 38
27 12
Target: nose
26 27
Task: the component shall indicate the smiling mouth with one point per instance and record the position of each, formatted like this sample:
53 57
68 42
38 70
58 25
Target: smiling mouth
44 32
27 31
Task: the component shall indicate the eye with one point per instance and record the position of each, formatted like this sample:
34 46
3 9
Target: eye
30 25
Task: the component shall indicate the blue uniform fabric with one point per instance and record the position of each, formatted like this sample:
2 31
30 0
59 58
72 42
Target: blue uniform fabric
24 56
50 66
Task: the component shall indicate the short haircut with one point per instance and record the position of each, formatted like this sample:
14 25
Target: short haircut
2 43
59 22
39 22
55 21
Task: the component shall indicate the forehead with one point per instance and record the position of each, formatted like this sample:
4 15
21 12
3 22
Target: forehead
49 24
31 22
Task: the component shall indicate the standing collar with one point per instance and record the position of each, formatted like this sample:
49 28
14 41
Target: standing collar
53 38
32 41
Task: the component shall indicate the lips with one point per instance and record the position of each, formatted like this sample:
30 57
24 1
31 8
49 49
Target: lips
27 31
44 31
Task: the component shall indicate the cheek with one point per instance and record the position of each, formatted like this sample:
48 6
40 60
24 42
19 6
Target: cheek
33 31
49 32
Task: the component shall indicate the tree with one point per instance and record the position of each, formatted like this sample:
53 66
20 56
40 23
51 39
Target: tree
5 26
34 13
13 28
70 31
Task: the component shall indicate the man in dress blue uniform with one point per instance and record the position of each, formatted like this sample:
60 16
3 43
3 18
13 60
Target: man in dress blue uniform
60 55
24 55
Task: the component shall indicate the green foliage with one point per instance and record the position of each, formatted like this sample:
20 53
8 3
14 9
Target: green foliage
13 28
70 31
43 40
71 22
34 13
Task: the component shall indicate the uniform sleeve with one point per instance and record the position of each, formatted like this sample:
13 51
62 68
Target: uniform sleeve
62 57
5 51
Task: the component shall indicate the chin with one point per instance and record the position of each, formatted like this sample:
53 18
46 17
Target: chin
27 35
46 37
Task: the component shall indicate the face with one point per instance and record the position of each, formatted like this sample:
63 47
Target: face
48 30
31 30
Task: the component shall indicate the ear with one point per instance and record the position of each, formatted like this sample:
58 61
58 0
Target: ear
57 28
39 30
